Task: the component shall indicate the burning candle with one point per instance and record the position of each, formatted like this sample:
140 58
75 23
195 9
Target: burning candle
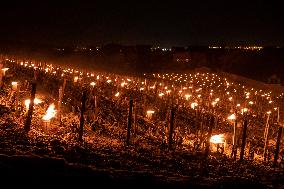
4 70
122 84
50 113
14 85
217 139
187 96
193 105
244 110
214 103
27 102
150 113
232 117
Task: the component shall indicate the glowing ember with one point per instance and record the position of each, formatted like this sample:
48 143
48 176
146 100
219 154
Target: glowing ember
50 113
117 94
93 83
217 139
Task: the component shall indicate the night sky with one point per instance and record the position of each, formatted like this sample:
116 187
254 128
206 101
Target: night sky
174 23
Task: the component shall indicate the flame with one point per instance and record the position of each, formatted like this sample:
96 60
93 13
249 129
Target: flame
193 105
36 101
50 112
214 103
5 69
187 96
150 112
122 84
232 117
217 139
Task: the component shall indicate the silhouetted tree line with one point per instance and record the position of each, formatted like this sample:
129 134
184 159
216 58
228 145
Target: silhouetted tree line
116 58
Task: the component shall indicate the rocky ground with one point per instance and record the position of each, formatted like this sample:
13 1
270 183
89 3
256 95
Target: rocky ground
110 162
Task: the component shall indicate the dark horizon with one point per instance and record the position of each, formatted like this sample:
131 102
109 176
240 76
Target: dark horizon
181 23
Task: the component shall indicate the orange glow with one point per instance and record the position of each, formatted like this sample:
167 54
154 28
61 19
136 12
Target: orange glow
217 139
